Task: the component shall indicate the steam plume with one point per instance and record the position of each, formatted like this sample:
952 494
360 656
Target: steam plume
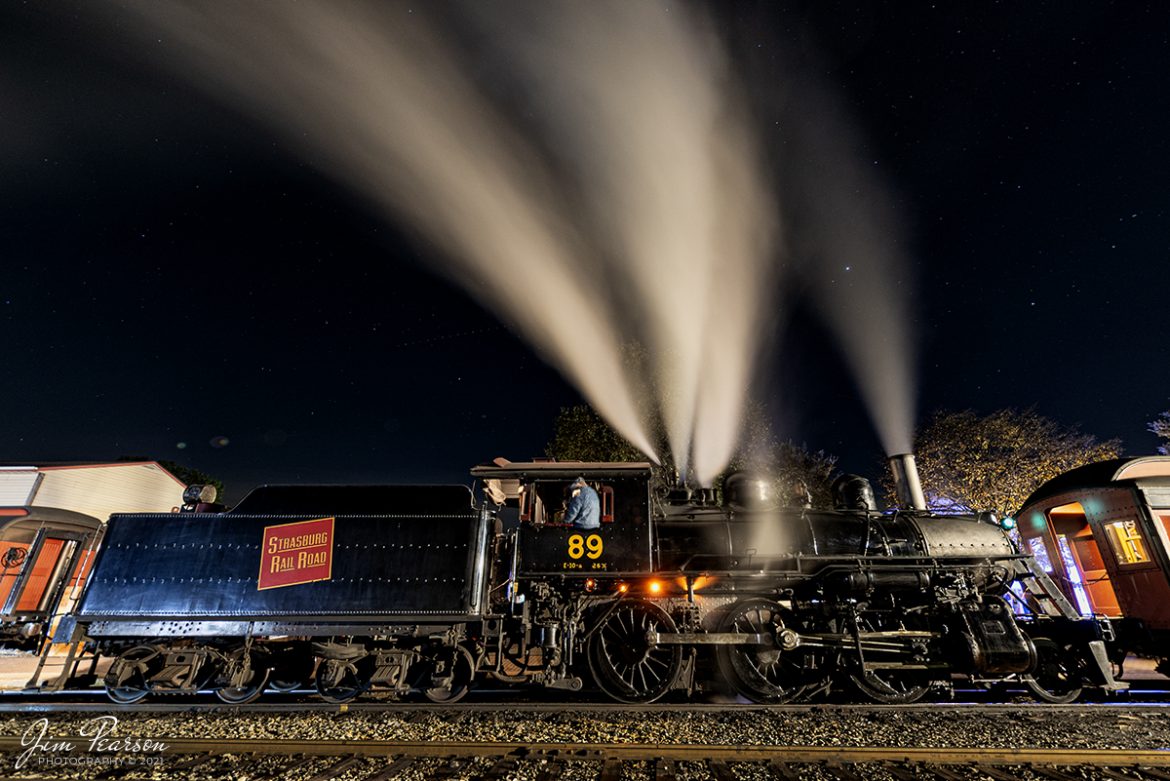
668 232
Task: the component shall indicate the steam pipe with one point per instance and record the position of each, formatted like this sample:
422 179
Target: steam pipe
906 483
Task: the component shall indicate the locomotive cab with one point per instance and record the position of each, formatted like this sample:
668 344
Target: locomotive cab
545 544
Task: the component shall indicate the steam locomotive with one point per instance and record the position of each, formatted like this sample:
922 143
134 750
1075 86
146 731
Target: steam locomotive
429 590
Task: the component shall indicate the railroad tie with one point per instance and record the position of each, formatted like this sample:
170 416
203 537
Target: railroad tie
336 769
663 770
900 771
843 773
720 770
448 770
1051 772
392 770
1113 775
116 772
296 761
944 773
782 771
611 770
552 771
997 773
193 762
502 767
1158 775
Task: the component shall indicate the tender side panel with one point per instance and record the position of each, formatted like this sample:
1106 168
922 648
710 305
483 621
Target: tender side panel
208 566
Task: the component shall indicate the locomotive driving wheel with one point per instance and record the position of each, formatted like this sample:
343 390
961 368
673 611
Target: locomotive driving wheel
127 680
897 684
763 673
892 687
624 664
1057 678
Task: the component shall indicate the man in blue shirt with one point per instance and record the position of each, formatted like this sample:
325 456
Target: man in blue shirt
584 510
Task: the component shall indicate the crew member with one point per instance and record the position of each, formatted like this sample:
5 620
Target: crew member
584 510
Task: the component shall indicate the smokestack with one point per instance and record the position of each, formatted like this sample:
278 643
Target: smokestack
906 483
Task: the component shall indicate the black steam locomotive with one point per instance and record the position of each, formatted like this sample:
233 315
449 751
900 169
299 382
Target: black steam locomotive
425 590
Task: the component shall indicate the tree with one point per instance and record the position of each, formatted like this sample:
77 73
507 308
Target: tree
1161 427
790 466
580 434
185 474
967 462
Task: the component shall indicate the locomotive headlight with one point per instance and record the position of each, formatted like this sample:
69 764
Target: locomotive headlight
623 588
654 587
590 584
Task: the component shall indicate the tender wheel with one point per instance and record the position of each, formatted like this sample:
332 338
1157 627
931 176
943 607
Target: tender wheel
245 681
127 680
282 686
763 673
451 676
1057 677
340 680
624 665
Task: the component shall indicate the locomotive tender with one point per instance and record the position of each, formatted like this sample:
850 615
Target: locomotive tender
424 589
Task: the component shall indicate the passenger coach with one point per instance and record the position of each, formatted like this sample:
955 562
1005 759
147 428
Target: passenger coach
1103 532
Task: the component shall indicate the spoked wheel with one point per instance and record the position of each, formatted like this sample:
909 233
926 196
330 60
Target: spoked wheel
763 673
341 680
624 665
245 679
127 680
1057 677
452 673
893 687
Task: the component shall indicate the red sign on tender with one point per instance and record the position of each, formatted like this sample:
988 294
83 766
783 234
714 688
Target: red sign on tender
294 553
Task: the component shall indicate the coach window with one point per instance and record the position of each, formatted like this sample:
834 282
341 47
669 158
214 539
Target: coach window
1128 544
1164 517
1038 549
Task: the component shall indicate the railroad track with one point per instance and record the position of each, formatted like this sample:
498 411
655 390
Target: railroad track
375 760
45 705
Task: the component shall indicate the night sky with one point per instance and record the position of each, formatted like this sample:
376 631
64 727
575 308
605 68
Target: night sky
177 283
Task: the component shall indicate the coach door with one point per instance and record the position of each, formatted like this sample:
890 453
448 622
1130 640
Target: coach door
1083 560
1133 554
33 577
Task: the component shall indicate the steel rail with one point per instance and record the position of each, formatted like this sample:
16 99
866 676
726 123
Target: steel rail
648 751
45 705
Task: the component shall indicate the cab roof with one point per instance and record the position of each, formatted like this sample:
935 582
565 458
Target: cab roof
504 469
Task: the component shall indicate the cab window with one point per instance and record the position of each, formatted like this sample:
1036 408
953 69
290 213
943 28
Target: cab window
543 502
